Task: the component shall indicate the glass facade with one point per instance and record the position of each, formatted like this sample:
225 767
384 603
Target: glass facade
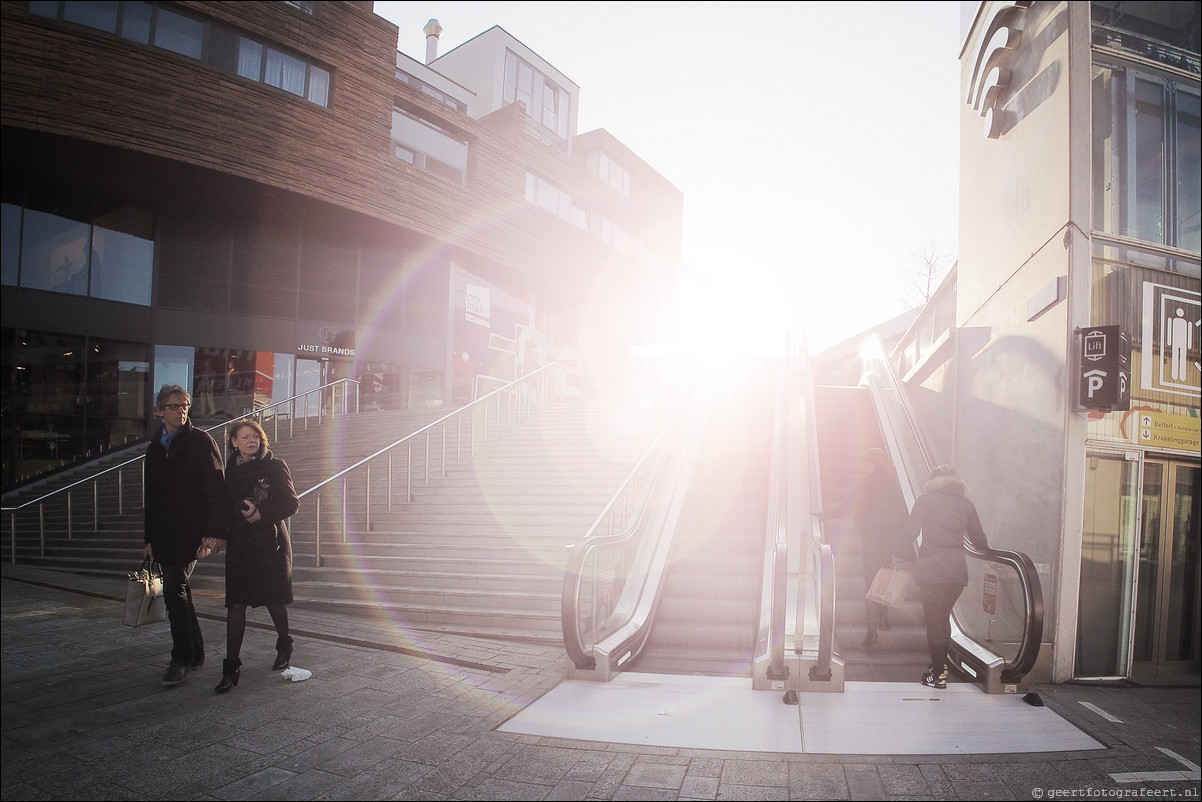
1107 587
68 397
89 250
1138 593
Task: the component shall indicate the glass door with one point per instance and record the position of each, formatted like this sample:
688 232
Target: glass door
1167 597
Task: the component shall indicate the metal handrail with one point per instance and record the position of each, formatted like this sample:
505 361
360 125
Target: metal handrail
774 585
96 477
819 576
641 482
272 410
627 628
504 393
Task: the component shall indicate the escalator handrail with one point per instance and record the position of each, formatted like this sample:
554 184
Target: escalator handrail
1022 564
826 626
579 552
770 638
825 560
1028 649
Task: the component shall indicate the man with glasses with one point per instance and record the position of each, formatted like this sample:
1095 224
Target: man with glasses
185 514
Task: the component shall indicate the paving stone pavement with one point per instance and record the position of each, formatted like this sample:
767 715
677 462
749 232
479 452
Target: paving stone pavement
392 713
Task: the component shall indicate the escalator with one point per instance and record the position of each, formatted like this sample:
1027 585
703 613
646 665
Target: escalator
997 623
847 427
705 621
724 568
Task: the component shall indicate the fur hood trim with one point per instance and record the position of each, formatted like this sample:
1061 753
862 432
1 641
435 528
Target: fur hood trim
952 485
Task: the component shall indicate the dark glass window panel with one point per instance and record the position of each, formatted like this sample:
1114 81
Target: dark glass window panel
54 253
179 34
101 15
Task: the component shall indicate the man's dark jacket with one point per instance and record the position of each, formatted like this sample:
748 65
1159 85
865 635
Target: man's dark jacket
185 494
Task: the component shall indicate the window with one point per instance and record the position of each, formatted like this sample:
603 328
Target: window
113 257
429 91
425 144
122 255
546 103
179 34
54 253
222 47
559 203
613 173
1146 156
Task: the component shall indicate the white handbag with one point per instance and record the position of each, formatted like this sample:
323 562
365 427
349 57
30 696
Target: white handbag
144 603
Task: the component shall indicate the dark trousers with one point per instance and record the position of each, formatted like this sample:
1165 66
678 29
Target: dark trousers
187 643
937 603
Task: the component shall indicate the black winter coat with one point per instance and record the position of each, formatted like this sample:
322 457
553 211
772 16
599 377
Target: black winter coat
944 516
877 510
258 556
185 495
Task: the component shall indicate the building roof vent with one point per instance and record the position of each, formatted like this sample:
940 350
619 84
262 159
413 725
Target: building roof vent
433 30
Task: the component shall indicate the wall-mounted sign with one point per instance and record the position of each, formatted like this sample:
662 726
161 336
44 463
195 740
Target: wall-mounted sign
1162 430
1171 359
989 594
1105 370
478 305
326 343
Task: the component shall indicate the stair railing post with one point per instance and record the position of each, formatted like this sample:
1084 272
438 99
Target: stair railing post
408 472
42 529
120 494
442 460
390 480
344 506
367 496
317 531
96 503
68 515
12 543
427 458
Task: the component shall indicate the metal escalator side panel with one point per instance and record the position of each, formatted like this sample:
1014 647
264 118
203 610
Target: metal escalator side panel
649 545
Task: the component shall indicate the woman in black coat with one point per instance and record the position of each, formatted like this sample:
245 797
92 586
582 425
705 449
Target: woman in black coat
877 510
944 516
258 561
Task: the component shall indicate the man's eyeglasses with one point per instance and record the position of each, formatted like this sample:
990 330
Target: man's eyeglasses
176 407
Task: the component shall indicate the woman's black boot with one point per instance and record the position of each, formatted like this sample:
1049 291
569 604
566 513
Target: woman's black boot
231 671
283 653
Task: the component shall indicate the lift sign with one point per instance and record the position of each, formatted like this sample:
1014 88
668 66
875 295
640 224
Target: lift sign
989 594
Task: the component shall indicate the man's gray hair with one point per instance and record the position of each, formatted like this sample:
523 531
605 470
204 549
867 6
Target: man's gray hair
168 390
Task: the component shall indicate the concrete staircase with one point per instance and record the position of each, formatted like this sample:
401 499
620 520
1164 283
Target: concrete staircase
480 551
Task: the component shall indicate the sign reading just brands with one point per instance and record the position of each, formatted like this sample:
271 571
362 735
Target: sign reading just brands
326 343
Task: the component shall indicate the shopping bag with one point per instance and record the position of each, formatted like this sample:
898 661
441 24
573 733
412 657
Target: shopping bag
144 603
890 586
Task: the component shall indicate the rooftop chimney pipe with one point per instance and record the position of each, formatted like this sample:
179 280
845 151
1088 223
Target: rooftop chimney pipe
433 30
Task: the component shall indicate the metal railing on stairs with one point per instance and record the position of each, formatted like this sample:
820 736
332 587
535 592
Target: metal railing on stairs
324 400
506 407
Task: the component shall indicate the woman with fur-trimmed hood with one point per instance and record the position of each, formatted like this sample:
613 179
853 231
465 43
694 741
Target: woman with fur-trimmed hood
945 517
